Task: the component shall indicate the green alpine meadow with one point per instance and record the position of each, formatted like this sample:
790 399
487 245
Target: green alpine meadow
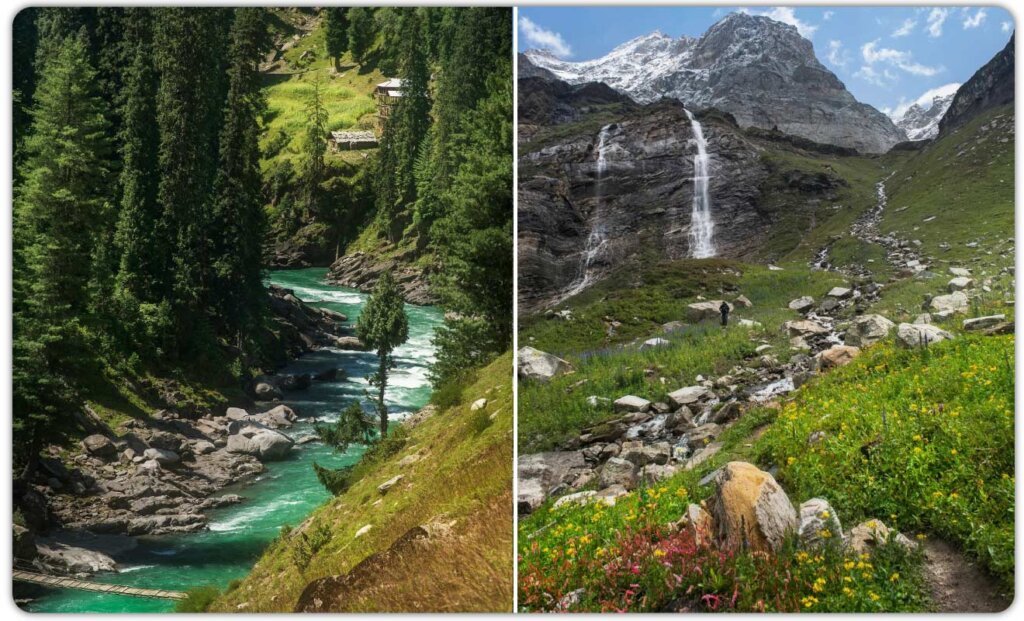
262 309
766 310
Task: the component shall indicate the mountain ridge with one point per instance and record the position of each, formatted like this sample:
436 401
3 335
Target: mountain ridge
739 60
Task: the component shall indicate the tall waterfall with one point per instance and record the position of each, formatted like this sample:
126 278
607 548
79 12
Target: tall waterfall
597 237
702 227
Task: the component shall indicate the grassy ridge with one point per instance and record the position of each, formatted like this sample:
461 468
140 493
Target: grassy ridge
463 480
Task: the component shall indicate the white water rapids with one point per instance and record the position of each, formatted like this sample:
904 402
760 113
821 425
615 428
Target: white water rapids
702 226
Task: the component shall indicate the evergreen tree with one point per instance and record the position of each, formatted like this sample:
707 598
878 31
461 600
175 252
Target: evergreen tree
144 264
314 149
362 32
404 131
238 217
57 207
336 32
383 326
187 45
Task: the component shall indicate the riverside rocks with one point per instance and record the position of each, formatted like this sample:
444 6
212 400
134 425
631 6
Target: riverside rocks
618 471
689 395
631 403
540 366
539 473
361 270
750 509
802 304
261 442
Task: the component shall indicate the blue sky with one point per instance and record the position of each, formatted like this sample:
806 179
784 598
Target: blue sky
887 56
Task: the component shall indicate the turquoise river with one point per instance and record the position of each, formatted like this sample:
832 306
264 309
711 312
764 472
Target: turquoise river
287 491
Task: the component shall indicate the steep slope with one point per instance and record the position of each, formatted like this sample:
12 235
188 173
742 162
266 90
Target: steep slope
606 183
920 123
447 516
759 70
990 86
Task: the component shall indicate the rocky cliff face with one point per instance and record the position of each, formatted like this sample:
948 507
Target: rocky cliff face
990 86
582 216
920 123
759 70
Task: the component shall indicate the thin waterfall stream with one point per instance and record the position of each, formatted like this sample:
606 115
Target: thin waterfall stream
597 237
702 226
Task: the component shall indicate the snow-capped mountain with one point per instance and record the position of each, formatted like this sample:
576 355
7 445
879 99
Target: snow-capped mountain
761 71
921 123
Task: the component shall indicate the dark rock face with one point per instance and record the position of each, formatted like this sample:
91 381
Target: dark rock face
990 86
757 69
361 271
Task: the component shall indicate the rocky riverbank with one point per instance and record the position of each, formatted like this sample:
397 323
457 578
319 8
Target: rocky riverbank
161 473
361 270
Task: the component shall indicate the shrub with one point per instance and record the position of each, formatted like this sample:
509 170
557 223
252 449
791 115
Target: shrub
197 600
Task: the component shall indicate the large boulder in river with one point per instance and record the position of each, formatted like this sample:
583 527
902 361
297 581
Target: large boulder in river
65 559
750 509
266 391
261 442
867 330
540 366
920 335
699 311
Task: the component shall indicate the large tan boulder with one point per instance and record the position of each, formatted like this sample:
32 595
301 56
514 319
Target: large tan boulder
836 356
750 509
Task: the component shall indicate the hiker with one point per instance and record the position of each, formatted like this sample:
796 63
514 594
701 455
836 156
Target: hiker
724 309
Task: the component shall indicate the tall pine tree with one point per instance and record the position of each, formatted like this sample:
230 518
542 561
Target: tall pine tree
238 217
65 188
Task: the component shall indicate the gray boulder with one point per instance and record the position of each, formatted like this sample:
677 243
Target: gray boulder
618 471
261 442
868 329
920 335
540 366
100 446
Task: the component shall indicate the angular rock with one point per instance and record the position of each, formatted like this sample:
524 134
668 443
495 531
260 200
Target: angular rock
540 366
700 311
835 356
386 486
689 395
955 302
750 509
479 404
804 327
920 335
162 456
819 523
982 323
867 330
960 283
655 343
631 403
618 471
840 293
802 304
100 446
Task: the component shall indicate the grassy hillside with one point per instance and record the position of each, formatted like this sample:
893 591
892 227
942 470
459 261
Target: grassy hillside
460 489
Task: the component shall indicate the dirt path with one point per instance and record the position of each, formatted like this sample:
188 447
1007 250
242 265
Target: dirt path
958 584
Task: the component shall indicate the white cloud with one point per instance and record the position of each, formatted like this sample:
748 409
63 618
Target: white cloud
1007 26
868 74
786 15
544 38
925 100
976 20
828 15
906 28
936 18
837 55
896 58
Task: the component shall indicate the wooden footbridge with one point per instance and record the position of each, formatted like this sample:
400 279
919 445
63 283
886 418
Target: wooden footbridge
64 582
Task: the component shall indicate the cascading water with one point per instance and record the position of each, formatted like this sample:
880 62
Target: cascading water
597 237
702 227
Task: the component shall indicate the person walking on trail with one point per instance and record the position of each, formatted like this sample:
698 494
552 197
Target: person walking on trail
724 309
